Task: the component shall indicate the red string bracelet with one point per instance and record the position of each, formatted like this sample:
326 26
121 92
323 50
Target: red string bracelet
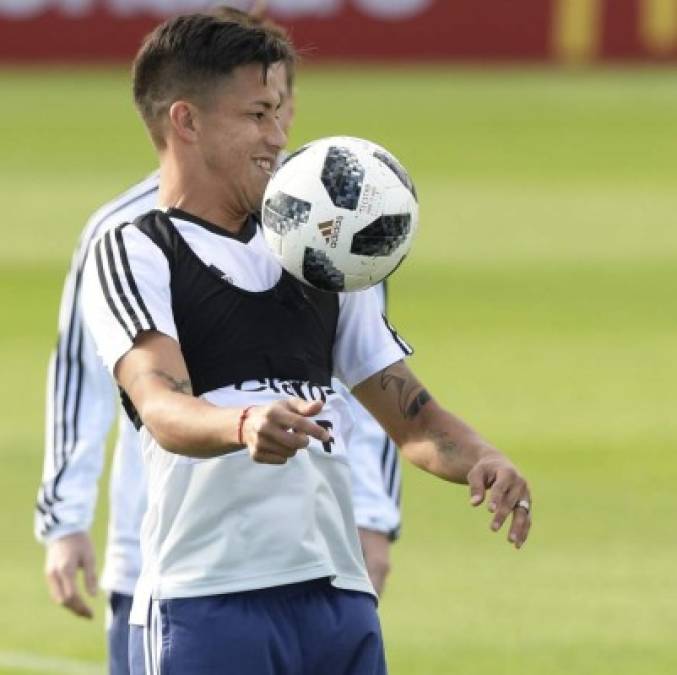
240 425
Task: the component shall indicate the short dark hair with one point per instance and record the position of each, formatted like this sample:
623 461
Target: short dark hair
258 18
185 56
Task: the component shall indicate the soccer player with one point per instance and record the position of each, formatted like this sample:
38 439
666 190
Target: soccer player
251 559
81 407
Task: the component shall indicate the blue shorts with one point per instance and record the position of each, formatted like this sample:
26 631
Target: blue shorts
119 606
310 628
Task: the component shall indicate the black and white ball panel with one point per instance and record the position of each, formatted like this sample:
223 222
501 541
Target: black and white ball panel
342 176
296 153
383 236
319 271
283 213
398 170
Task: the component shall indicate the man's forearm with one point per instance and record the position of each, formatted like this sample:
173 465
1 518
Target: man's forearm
442 444
191 426
445 446
156 379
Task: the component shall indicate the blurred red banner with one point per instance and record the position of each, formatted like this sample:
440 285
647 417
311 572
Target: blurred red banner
466 30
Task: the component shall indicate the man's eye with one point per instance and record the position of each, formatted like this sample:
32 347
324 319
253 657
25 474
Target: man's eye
257 115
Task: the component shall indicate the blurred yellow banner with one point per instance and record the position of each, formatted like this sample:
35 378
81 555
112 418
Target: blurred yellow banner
658 25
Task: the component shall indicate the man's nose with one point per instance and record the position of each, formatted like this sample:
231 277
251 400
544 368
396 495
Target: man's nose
276 135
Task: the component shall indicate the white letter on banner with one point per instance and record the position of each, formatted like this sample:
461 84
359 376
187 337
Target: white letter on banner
296 9
393 10
26 9
160 8
23 8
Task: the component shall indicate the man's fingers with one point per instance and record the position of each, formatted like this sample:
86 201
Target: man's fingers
65 592
304 408
77 605
67 577
273 447
55 586
509 489
520 526
310 428
91 581
64 557
304 425
70 591
498 500
266 457
277 432
287 441
477 483
293 414
501 502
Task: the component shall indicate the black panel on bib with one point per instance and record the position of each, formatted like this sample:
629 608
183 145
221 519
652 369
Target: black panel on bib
229 335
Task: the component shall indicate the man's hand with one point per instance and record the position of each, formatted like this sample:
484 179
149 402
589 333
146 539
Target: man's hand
509 493
276 432
64 557
376 550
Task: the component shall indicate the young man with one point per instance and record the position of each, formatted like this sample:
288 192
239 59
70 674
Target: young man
251 560
81 406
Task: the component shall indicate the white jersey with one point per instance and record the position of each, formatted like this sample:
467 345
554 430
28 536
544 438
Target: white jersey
228 524
82 404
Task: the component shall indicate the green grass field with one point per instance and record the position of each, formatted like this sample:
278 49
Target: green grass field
540 297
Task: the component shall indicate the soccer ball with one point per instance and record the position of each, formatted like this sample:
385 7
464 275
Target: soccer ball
340 214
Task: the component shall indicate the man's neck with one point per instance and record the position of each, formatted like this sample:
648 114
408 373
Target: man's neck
178 190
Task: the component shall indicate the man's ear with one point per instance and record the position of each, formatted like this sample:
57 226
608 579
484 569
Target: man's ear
183 119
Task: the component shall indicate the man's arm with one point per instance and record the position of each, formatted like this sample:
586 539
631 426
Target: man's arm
155 377
376 551
442 444
74 452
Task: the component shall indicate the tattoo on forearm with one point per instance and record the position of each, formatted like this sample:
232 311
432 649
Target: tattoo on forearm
411 395
443 443
179 386
419 401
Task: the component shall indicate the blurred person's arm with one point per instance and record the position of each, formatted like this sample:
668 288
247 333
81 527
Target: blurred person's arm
376 551
80 407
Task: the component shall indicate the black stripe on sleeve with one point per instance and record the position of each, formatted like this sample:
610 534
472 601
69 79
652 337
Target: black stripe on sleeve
78 395
394 472
400 342
384 455
73 362
122 296
55 494
63 367
55 414
106 291
130 278
390 467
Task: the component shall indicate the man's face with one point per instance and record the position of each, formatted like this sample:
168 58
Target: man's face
240 135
